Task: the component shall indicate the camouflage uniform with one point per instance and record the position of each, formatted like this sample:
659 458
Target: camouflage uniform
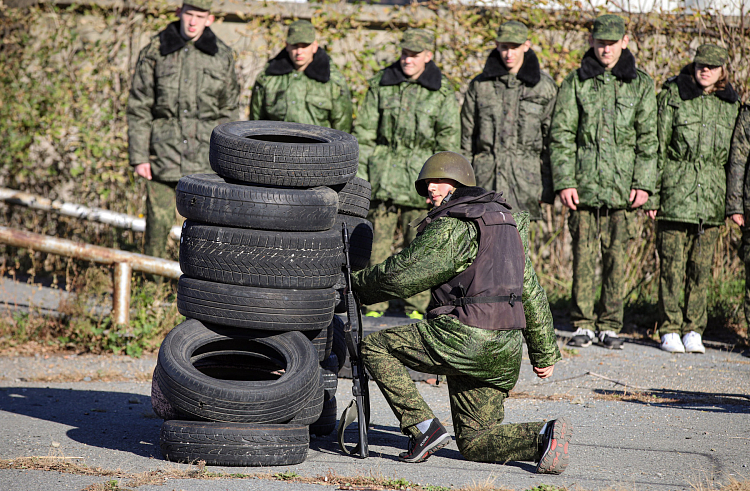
603 143
400 124
181 90
318 96
505 121
481 366
694 137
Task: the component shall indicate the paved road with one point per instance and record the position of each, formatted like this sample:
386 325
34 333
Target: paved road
688 423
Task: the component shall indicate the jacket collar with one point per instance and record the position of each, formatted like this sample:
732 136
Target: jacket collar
461 196
529 74
319 68
624 69
430 79
689 88
170 40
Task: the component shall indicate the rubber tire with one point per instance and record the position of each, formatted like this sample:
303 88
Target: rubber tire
339 345
159 403
262 258
233 401
326 424
322 340
265 309
310 413
210 199
235 444
291 154
360 241
354 198
330 375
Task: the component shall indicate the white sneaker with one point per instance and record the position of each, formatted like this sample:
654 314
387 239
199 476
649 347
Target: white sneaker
693 343
671 342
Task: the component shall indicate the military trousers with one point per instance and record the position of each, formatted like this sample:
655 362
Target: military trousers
385 219
745 254
592 229
476 404
161 214
686 254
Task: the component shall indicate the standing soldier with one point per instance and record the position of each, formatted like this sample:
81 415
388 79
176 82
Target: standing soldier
409 113
505 122
603 156
697 112
301 84
738 194
183 87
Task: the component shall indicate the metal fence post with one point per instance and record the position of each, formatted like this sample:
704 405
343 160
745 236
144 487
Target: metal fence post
121 295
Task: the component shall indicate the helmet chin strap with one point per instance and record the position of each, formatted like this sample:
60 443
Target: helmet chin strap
447 198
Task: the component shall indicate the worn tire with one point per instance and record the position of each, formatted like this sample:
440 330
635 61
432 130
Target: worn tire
234 444
310 413
159 403
210 199
360 241
322 340
261 258
276 153
339 345
326 424
354 198
265 309
329 369
237 401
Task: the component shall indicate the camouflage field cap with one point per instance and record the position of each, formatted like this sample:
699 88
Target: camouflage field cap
711 54
199 4
512 32
300 32
608 27
418 40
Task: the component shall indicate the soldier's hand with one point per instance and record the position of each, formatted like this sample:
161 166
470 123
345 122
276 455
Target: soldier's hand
651 214
569 197
638 197
544 372
144 170
738 218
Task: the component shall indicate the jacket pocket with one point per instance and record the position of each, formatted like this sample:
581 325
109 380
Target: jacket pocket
530 125
389 109
685 141
625 120
425 130
210 94
320 109
167 88
485 139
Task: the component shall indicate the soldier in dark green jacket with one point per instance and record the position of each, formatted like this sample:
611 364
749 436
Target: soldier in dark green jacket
603 148
476 340
738 194
505 122
301 84
184 85
409 113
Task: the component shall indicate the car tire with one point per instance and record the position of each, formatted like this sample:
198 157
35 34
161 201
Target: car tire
354 198
326 424
360 241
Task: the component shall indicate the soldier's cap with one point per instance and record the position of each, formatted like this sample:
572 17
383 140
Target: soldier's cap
711 54
608 27
301 32
418 40
199 4
512 32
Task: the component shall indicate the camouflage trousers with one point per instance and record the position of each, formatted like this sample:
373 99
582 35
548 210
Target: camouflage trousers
161 214
590 230
385 220
686 259
476 404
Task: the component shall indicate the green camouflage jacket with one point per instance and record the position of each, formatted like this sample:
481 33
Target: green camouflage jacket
603 137
505 123
738 181
318 96
695 132
446 247
181 91
400 124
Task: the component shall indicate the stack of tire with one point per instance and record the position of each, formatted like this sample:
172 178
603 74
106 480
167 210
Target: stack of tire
250 374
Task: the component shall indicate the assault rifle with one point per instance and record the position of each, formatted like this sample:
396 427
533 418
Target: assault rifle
359 407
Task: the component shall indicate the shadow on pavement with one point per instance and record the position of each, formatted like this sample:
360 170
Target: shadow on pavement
112 420
683 399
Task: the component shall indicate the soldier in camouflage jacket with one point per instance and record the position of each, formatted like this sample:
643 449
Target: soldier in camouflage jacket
603 148
505 122
301 84
403 120
184 85
481 364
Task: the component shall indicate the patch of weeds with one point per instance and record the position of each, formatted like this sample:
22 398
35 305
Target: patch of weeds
547 487
286 476
430 487
570 352
400 483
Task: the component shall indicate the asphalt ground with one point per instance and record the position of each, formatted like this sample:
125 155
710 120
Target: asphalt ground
643 419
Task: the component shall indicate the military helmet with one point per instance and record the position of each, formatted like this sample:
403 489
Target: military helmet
445 165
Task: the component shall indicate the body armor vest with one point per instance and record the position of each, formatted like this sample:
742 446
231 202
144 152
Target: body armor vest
488 293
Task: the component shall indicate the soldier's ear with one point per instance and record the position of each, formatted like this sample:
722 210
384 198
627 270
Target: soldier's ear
428 56
625 41
526 45
315 46
210 20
